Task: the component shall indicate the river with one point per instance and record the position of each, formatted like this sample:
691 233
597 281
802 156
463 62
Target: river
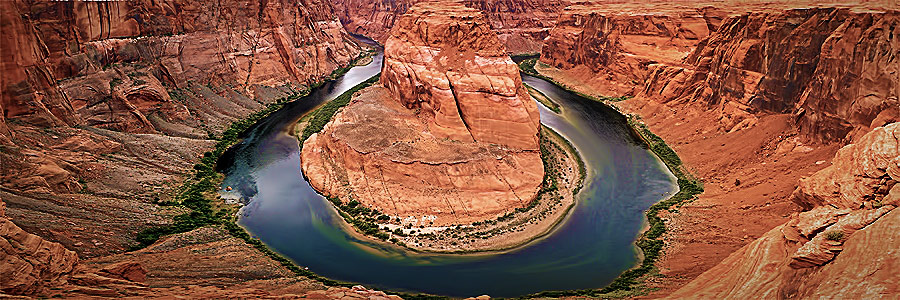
588 250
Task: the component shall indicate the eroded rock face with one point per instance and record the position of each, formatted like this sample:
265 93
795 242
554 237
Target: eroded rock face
864 174
66 58
173 68
448 137
844 246
835 69
521 25
463 84
28 263
609 46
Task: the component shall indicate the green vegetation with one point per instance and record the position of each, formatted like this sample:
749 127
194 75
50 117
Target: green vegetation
114 83
650 242
197 193
834 235
582 169
549 189
543 99
321 116
527 67
360 217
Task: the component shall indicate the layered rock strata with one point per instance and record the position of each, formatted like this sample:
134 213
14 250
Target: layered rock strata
834 69
844 244
449 136
106 105
608 48
28 262
520 25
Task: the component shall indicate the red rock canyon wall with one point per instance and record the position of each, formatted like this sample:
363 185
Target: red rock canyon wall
521 25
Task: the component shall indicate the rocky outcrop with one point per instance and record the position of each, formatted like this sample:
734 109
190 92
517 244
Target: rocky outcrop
844 246
464 84
28 263
609 47
834 69
448 137
520 25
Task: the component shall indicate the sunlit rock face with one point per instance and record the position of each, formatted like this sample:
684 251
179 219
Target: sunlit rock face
834 69
449 136
172 68
610 47
62 59
843 245
106 105
449 65
521 25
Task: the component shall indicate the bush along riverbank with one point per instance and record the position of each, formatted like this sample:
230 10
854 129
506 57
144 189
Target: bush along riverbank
543 99
650 242
527 67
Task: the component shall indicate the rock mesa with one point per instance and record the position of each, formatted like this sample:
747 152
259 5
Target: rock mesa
449 136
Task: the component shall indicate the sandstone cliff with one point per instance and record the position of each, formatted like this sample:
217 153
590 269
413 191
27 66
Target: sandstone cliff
843 245
609 47
67 57
450 135
106 105
522 25
834 69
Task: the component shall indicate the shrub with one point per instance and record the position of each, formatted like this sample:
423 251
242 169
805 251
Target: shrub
834 235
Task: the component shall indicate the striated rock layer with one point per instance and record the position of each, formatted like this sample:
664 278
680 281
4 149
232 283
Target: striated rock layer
105 106
28 262
448 137
609 47
834 69
520 24
843 246
63 59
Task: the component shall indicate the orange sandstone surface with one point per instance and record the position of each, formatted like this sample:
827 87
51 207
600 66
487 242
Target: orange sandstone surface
521 25
761 99
449 136
844 243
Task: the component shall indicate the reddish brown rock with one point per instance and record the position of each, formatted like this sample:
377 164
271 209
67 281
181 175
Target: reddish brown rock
465 85
861 175
450 137
812 254
520 25
202 42
28 263
105 106
820 64
608 47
